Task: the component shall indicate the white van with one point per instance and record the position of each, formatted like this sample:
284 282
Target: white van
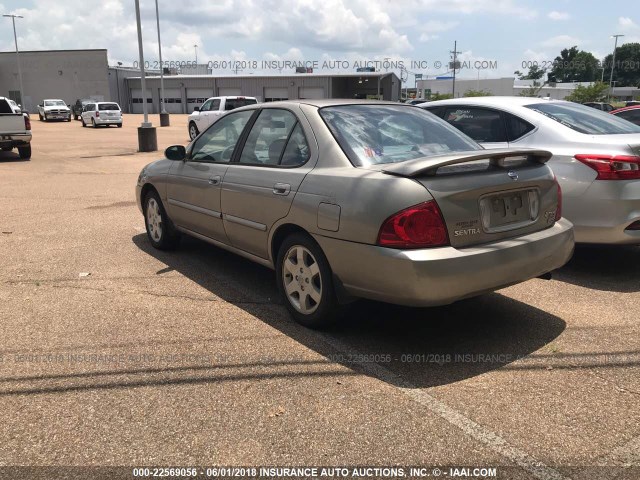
101 113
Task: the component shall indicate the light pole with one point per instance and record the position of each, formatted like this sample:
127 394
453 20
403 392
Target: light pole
147 137
15 38
613 64
196 48
164 116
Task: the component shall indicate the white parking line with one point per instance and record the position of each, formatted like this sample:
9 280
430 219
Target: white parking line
468 426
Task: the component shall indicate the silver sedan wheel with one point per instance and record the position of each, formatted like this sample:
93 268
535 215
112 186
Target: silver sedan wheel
154 220
302 279
193 131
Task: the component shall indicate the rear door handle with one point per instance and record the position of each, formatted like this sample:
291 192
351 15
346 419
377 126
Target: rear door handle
281 189
215 180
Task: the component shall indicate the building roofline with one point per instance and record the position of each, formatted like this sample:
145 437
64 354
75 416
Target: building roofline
56 51
292 75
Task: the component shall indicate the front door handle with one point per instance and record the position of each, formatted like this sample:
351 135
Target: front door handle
215 180
281 189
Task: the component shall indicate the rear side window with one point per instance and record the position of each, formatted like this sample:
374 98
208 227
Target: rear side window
275 139
232 103
438 111
630 115
481 124
584 119
516 127
108 106
5 107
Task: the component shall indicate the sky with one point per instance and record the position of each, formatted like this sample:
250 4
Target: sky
494 37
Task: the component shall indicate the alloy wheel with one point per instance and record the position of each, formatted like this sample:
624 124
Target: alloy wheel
154 220
302 279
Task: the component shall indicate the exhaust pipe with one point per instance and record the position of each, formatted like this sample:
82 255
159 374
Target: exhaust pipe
546 276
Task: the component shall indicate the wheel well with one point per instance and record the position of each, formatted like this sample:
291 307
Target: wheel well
146 188
280 234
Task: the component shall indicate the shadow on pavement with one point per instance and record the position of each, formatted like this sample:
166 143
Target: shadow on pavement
611 268
10 156
422 346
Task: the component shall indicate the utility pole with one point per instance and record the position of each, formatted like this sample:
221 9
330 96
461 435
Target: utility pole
15 38
196 48
164 116
455 61
147 137
613 63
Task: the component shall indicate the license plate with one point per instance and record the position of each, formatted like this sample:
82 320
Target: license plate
509 210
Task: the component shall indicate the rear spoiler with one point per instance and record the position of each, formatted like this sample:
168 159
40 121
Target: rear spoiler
496 157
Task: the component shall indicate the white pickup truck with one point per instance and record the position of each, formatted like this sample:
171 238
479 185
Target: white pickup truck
213 109
15 129
54 109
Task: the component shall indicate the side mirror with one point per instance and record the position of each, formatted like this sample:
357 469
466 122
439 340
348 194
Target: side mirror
39 105
176 152
196 109
68 105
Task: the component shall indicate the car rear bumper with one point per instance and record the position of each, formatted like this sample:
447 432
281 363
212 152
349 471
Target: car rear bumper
438 276
15 139
108 121
603 213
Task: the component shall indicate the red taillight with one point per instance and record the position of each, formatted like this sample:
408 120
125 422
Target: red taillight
27 123
97 114
612 167
559 207
419 226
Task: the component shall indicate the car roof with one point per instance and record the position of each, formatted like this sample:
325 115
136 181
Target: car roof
494 101
624 109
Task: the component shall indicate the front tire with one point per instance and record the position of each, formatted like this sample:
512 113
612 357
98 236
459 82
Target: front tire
41 117
305 282
25 152
193 130
160 230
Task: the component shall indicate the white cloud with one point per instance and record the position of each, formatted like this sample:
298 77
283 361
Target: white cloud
555 15
626 23
431 29
561 41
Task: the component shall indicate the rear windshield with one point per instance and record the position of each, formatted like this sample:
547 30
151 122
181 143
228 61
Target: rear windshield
5 107
108 106
584 119
232 103
374 134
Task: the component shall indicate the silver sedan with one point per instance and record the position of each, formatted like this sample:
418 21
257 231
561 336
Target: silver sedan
348 199
596 156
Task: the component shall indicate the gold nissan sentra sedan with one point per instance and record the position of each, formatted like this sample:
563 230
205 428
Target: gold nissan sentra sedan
359 199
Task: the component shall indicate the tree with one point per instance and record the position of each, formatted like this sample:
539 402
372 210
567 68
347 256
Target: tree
592 93
627 68
440 96
477 93
573 65
535 73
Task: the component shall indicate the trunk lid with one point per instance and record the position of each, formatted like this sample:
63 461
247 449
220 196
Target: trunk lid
487 195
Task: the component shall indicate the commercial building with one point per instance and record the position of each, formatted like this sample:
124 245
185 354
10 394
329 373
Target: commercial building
63 74
185 92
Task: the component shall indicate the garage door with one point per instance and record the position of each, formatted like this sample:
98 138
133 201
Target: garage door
313 93
172 100
136 100
197 96
229 92
273 94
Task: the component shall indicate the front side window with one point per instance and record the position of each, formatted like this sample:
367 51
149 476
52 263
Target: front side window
269 137
584 119
206 106
217 143
215 105
376 134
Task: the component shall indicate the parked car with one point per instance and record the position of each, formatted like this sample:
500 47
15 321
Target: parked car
101 113
213 109
631 103
54 109
348 198
596 156
78 107
605 107
15 129
631 114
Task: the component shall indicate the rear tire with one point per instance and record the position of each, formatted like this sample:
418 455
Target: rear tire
305 282
160 230
25 152
119 125
82 120
93 123
193 130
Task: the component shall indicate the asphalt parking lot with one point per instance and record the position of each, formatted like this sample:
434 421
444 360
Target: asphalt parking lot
113 353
